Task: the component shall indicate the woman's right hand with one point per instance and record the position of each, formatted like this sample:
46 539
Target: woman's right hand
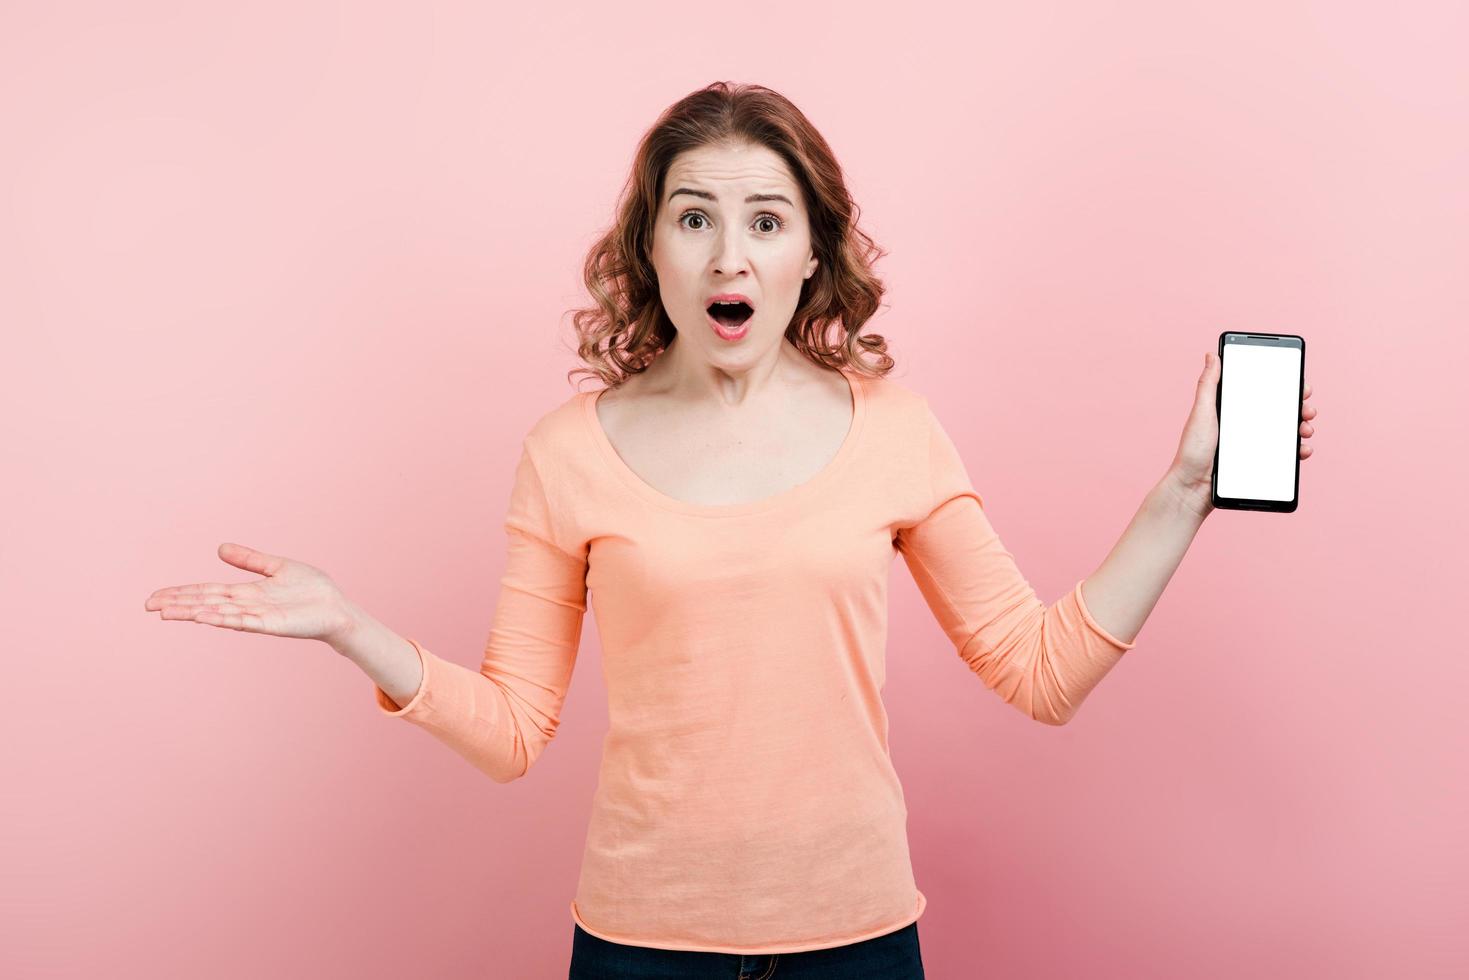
293 599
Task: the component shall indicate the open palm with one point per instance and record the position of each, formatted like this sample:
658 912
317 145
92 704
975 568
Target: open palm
293 599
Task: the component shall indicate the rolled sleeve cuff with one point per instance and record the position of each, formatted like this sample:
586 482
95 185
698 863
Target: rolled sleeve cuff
390 707
1086 614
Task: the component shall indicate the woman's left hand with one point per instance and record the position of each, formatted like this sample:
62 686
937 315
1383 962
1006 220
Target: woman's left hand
1193 465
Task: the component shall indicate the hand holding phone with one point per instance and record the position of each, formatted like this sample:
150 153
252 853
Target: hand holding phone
1260 405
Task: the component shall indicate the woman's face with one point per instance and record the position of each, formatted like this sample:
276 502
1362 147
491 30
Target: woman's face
732 220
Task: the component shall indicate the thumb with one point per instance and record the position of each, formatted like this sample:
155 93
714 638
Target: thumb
250 559
1208 378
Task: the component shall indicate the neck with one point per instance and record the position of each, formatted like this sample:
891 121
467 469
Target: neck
689 377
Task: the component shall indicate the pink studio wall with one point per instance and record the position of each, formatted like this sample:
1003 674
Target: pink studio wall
293 275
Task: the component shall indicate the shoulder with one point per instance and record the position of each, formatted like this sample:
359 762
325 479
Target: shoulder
886 386
561 430
893 399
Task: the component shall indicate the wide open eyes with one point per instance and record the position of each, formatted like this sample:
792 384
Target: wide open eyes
764 216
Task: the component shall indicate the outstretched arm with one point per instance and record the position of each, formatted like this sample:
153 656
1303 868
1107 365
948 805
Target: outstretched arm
501 717
1122 592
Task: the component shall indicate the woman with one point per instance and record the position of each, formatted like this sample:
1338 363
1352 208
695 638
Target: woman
729 503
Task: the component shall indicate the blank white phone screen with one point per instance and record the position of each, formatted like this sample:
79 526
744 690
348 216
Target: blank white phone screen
1259 418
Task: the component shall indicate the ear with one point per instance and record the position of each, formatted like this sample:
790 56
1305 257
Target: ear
810 268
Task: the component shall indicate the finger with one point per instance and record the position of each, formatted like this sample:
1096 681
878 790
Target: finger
1306 450
227 615
1307 430
1307 393
250 559
161 597
195 602
1204 391
230 621
1309 412
186 608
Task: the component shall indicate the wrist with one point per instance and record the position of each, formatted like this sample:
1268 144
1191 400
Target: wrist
352 621
1193 496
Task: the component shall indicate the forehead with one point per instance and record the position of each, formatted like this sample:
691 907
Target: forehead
737 167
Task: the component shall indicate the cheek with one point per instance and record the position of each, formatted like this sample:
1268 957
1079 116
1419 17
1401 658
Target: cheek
674 268
793 274
678 257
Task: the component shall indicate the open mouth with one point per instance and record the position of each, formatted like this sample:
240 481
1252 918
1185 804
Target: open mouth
731 315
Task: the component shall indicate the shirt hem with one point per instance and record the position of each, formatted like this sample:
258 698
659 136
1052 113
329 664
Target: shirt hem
787 947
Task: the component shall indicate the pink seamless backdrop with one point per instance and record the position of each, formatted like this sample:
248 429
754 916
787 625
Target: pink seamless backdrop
294 275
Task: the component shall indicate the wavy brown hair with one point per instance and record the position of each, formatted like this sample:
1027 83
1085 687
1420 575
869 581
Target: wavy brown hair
627 327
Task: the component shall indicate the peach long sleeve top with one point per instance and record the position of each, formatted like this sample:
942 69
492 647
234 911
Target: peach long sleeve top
746 801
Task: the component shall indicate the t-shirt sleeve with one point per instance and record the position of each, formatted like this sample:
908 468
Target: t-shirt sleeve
1041 660
501 717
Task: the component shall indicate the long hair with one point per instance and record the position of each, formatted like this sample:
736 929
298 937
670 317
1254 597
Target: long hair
627 327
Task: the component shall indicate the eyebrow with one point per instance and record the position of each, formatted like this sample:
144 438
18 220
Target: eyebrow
749 200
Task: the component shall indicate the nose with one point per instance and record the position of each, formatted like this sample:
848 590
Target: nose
729 251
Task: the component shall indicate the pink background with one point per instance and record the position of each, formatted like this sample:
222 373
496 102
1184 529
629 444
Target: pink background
293 275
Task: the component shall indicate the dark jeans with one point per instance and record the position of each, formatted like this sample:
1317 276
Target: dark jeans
894 956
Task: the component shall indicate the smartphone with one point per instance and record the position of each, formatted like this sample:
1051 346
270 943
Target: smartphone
1262 379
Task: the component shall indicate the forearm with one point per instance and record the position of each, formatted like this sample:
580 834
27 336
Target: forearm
1123 590
383 655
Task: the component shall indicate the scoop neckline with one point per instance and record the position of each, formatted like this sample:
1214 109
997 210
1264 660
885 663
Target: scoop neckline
800 491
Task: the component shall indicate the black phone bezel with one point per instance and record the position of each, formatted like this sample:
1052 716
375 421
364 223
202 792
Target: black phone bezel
1245 503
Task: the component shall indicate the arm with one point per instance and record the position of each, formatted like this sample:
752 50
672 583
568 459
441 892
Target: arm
1042 660
1123 590
501 717
390 660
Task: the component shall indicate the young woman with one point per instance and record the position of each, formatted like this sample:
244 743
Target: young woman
729 504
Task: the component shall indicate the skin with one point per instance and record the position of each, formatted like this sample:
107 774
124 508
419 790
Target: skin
702 247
